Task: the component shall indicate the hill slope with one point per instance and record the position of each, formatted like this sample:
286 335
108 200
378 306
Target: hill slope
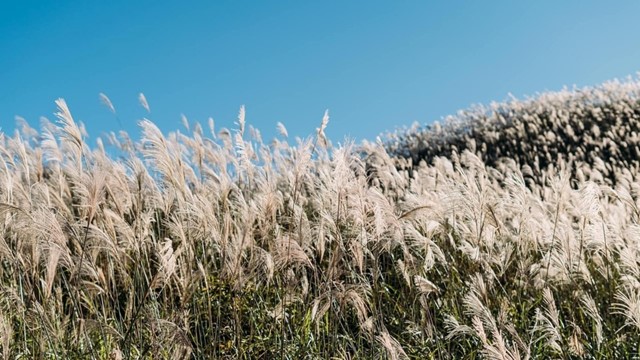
590 132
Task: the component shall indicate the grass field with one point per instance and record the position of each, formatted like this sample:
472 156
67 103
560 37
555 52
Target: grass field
509 232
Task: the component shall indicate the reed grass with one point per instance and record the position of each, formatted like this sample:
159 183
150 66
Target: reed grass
509 233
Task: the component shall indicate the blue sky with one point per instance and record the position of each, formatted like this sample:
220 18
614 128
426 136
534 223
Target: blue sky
376 65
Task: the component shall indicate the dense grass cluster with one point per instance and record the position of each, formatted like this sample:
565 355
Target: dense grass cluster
205 244
590 132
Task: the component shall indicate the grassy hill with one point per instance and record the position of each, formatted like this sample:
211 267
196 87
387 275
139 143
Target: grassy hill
593 133
517 237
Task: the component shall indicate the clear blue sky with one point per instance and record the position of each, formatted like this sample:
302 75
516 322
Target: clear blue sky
376 65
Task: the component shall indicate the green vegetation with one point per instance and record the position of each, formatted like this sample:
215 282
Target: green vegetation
430 245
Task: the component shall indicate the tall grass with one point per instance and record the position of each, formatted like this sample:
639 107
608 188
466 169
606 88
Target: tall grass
204 244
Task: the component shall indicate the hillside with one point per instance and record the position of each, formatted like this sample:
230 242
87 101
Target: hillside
592 133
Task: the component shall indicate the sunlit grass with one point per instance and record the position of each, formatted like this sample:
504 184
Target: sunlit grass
512 239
